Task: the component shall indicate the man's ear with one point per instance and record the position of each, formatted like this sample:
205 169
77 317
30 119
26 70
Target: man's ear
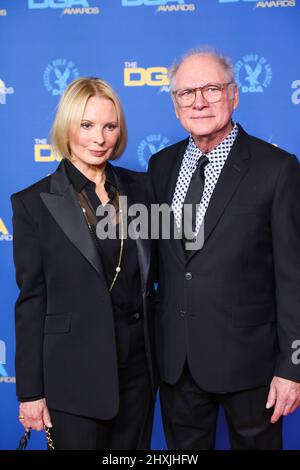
235 97
175 107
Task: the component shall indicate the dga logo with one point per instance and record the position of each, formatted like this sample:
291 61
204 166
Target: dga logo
58 74
140 76
150 145
43 152
296 94
3 374
5 236
4 90
162 5
70 7
253 74
265 4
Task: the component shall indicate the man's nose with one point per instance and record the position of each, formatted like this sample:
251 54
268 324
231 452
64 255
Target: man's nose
200 101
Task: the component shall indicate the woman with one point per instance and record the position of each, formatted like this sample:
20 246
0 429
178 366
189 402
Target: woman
83 317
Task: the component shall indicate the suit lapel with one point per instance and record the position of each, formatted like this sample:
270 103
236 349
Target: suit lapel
63 204
173 171
233 172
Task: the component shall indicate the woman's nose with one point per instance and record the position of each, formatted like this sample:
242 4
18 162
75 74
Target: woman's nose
98 136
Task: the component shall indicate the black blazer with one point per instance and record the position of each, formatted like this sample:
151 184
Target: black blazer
233 309
65 338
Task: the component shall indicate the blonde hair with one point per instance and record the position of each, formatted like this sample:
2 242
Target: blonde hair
70 111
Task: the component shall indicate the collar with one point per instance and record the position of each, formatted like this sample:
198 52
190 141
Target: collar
219 152
79 180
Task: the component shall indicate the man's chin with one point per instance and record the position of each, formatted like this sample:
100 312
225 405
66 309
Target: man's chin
202 131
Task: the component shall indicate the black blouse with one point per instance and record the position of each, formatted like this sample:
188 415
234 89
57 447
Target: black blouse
126 293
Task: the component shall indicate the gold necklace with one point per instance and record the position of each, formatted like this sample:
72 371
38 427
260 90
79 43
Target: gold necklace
118 267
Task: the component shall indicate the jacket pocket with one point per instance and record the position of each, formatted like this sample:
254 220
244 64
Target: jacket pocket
253 315
58 323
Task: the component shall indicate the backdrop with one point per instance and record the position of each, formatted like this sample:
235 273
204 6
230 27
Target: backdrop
45 44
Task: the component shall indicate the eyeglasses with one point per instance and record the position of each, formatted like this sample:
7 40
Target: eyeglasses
212 93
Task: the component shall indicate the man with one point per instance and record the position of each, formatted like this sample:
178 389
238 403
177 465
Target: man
228 312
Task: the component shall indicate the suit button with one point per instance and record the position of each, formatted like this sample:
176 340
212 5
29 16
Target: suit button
182 313
188 276
136 316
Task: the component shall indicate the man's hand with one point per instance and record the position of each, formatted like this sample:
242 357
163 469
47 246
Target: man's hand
36 415
285 395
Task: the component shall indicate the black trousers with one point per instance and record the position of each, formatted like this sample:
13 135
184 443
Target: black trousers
131 428
190 417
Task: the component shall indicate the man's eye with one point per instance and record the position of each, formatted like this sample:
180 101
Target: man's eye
212 89
184 93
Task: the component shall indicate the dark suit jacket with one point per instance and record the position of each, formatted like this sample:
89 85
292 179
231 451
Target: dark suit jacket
65 337
233 309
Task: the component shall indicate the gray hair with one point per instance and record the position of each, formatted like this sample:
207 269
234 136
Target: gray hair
207 51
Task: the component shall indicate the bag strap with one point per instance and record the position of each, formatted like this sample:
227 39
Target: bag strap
50 444
26 436
24 440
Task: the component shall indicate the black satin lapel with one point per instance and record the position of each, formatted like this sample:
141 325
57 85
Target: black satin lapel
68 214
132 189
143 250
59 180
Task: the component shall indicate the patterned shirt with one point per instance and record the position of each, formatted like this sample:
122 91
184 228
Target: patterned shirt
212 171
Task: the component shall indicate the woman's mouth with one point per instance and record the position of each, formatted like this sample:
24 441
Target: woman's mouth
97 153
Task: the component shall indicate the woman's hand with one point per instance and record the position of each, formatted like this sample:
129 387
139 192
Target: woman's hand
34 415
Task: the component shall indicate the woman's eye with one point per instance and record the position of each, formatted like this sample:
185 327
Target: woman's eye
111 127
85 125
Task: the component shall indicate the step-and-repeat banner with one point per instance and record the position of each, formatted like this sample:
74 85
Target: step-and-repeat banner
45 44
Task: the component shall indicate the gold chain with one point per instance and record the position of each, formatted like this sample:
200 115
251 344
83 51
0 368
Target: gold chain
118 268
49 439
